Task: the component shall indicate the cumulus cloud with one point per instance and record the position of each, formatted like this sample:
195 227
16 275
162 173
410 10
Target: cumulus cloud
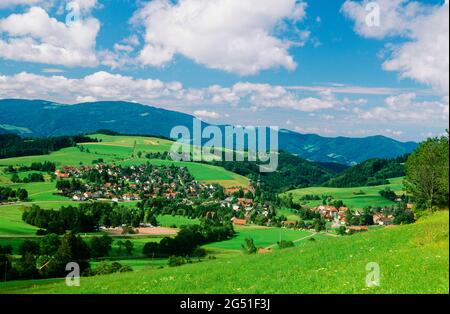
424 56
34 36
234 36
106 86
406 108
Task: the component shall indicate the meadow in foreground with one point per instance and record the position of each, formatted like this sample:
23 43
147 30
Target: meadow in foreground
331 265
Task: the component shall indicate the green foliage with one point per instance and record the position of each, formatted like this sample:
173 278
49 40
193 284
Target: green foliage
249 246
105 268
175 261
12 145
370 173
283 244
293 172
100 246
427 171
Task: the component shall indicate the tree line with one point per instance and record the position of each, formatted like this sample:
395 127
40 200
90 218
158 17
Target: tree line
12 145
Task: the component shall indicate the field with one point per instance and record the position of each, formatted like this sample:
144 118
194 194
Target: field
412 259
263 237
350 196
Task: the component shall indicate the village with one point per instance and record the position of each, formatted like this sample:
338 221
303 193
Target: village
134 183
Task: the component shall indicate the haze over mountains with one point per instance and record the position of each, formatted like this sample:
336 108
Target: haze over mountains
33 118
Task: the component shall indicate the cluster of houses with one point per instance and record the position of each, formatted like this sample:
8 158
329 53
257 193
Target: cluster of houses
245 207
339 215
133 183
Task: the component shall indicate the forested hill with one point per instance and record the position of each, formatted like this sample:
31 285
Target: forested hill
292 173
38 118
370 173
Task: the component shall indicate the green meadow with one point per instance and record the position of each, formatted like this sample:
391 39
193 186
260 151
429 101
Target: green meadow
178 221
411 258
263 237
358 197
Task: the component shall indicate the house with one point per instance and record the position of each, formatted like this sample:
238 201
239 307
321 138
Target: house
386 221
61 175
410 205
377 217
128 197
239 222
78 198
245 202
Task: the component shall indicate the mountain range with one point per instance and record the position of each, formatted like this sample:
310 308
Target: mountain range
39 118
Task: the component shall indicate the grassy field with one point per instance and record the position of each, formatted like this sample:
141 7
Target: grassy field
412 259
263 237
371 196
178 221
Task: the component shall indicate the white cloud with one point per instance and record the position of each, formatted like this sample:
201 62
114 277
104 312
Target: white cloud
204 114
424 56
234 36
36 37
406 108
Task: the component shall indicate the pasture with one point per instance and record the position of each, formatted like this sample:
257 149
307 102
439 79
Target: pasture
358 197
263 237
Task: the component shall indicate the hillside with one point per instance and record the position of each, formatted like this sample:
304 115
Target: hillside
369 173
355 197
43 118
412 259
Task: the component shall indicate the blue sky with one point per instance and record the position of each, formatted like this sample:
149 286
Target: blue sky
310 66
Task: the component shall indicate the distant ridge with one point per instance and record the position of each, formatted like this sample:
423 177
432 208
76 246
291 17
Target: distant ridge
46 118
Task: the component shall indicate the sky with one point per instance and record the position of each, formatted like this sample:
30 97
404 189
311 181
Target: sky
330 67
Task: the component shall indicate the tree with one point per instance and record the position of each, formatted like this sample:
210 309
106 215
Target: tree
129 246
100 246
151 249
49 244
22 194
249 246
72 249
29 247
427 171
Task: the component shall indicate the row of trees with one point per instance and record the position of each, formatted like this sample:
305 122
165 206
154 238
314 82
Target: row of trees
48 257
12 145
8 194
189 239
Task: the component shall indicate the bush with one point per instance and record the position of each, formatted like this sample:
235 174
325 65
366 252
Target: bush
175 261
285 244
249 246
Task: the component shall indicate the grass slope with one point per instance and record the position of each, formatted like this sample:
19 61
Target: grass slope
412 259
371 196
